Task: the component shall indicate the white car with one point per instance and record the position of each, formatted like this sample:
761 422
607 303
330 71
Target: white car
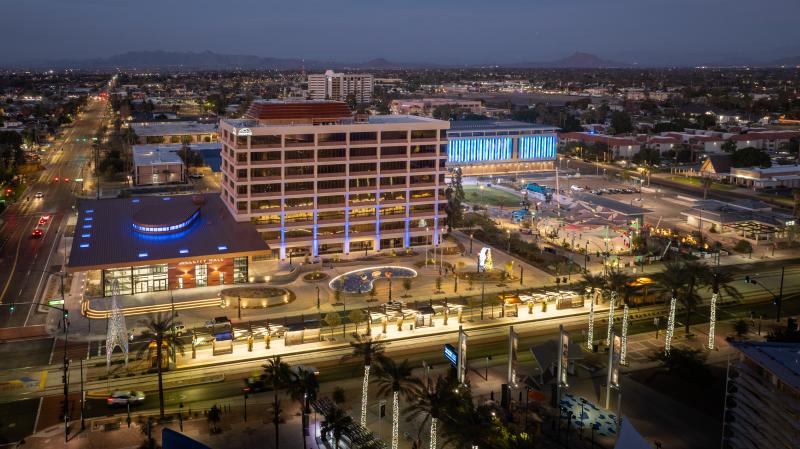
39 195
125 397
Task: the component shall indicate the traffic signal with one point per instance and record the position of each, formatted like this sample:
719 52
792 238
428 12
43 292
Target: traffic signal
747 280
11 308
66 313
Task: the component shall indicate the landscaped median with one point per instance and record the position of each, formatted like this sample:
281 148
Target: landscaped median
131 383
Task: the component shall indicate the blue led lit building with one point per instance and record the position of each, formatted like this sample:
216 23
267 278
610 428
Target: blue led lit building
481 147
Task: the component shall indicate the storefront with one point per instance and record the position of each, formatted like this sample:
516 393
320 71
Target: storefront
152 244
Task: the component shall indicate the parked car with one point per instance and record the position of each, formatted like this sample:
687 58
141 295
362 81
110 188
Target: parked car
125 397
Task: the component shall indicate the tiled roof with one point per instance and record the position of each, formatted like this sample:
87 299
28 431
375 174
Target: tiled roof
298 110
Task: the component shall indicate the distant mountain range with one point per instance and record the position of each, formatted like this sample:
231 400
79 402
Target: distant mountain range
207 60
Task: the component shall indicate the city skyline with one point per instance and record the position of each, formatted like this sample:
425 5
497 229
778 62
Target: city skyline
447 33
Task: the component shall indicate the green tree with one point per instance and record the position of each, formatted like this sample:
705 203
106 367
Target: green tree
395 380
278 375
741 328
743 246
594 284
160 333
407 285
621 122
333 320
647 156
750 157
687 364
356 316
728 146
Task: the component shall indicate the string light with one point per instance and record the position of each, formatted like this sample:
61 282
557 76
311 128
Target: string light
590 333
712 321
611 318
670 325
395 419
364 392
624 349
434 428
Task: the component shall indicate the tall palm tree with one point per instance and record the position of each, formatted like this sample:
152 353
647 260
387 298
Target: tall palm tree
615 281
673 280
395 380
366 348
698 274
278 375
303 388
594 285
337 424
160 332
432 404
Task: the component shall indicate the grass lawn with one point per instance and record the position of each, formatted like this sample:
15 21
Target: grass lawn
490 196
782 200
697 182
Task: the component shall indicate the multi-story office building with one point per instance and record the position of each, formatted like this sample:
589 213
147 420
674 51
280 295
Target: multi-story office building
763 404
315 179
481 147
338 86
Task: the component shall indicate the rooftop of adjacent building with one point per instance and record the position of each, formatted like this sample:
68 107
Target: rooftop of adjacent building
314 112
106 235
159 154
172 128
781 359
486 125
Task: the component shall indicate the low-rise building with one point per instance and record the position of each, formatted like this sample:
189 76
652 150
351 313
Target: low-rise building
751 219
158 164
426 106
480 147
758 177
174 132
620 147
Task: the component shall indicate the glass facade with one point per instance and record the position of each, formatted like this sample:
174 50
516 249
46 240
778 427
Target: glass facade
533 148
162 277
479 149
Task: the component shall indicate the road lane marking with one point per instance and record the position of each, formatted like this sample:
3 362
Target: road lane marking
14 266
43 380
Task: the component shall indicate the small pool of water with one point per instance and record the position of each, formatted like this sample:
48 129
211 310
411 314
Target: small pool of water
360 281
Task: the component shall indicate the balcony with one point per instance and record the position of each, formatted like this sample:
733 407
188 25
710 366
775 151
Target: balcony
302 176
393 172
425 155
329 221
266 162
395 157
363 188
264 178
332 175
387 141
331 206
370 158
264 146
302 161
423 214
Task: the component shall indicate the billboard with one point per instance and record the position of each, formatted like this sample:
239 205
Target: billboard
563 358
512 356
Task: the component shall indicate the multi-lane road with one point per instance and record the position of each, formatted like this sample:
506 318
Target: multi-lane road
24 260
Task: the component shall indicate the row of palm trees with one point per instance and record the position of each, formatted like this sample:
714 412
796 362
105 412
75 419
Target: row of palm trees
681 281
443 406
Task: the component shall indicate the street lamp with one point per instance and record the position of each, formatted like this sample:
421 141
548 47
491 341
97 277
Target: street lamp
508 233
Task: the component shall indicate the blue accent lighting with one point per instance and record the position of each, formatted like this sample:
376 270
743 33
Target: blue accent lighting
184 251
163 229
537 148
84 245
142 254
89 211
135 200
222 248
479 149
86 235
87 226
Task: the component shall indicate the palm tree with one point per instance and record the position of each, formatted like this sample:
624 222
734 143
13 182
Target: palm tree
160 332
673 279
698 274
594 283
278 375
395 380
615 281
365 348
337 423
303 388
433 404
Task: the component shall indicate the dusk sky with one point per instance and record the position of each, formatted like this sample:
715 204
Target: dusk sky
445 31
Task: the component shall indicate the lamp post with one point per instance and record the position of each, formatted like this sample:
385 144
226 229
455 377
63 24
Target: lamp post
508 233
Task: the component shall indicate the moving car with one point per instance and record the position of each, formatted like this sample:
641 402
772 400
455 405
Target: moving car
196 175
39 195
44 220
37 233
124 397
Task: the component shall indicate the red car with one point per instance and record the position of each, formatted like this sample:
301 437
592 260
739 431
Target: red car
37 233
44 220
55 178
66 179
